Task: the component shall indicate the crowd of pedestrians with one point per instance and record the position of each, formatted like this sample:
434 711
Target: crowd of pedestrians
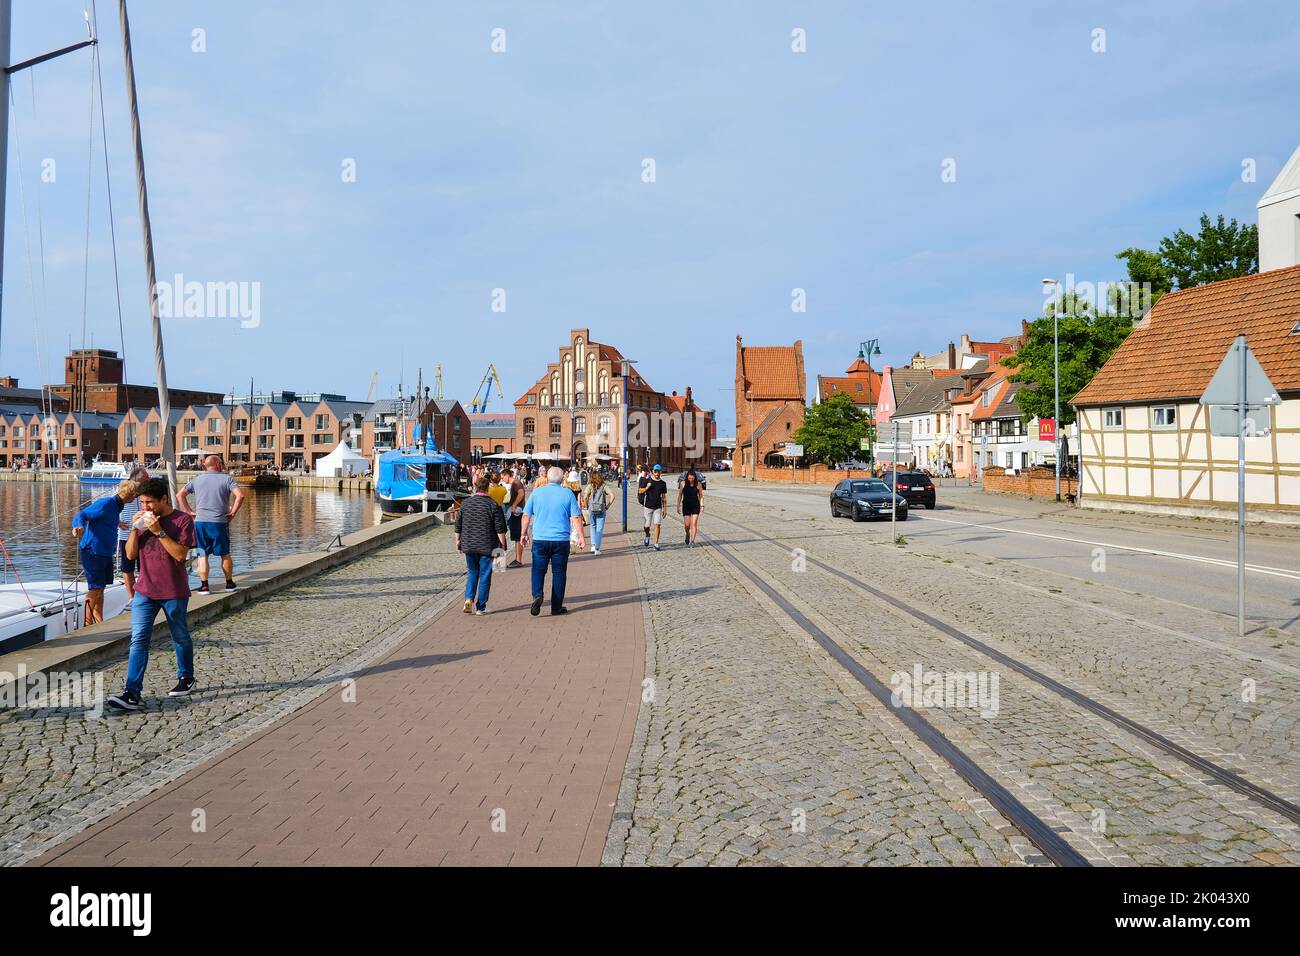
546 510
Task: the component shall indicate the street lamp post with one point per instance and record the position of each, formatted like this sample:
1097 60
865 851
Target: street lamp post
1049 288
865 351
624 369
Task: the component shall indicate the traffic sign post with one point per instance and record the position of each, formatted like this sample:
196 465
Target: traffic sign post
1242 387
893 489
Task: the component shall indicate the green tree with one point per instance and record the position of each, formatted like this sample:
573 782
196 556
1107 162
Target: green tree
1220 251
832 430
1087 339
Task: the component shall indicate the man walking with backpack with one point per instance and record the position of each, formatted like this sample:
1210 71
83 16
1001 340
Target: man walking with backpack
480 530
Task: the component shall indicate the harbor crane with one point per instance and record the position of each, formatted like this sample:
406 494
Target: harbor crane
485 389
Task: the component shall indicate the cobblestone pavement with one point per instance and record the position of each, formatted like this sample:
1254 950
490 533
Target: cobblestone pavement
756 749
61 771
477 741
1067 765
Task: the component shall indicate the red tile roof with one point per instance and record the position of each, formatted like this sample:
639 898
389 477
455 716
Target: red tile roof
996 386
863 389
774 371
859 367
1175 351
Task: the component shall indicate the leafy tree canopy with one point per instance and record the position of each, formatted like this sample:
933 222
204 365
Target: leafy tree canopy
1220 251
1087 339
832 430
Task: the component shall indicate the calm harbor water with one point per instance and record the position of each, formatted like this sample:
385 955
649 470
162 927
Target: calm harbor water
272 523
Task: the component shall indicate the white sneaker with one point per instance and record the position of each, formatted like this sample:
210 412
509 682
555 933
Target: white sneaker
480 613
595 550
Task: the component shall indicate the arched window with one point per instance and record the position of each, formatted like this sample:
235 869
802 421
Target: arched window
555 426
498 449
580 426
616 396
555 449
528 449
530 426
581 399
605 424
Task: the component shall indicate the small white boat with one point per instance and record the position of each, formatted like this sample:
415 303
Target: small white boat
107 473
37 611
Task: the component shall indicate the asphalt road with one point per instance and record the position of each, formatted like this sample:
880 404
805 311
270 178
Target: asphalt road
1192 563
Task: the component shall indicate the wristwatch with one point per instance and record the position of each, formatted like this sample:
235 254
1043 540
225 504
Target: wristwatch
161 533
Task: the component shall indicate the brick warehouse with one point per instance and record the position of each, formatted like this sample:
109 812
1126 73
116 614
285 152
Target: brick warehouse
573 411
771 389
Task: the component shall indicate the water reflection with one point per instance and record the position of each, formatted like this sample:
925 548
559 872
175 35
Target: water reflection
272 524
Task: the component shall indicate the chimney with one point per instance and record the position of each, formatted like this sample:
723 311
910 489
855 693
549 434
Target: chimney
952 355
8 381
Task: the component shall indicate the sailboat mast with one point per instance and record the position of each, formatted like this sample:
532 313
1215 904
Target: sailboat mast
6 14
160 364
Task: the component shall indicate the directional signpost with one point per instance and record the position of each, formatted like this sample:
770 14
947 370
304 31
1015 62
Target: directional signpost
1239 391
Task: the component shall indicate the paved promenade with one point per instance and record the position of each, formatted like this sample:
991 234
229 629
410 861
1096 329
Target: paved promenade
478 741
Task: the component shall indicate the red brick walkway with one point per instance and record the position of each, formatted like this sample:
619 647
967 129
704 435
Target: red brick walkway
525 721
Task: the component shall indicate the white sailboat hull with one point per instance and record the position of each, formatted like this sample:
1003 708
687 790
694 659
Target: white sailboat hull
43 610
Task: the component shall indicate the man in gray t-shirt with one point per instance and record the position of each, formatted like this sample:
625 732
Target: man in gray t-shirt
212 510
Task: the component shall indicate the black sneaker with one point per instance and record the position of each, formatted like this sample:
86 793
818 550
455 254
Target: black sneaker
183 688
124 701
231 586
203 588
537 607
559 610
515 564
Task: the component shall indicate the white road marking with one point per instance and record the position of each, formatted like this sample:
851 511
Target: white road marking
1199 558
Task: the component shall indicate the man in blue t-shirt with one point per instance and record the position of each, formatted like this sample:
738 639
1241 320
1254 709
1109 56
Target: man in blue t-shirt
96 528
551 516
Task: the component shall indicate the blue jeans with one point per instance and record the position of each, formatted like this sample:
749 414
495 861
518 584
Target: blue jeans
556 554
597 529
478 582
143 611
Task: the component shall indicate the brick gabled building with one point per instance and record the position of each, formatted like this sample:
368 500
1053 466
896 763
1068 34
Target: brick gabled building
771 389
93 381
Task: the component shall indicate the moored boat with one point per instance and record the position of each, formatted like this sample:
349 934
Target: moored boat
38 611
257 476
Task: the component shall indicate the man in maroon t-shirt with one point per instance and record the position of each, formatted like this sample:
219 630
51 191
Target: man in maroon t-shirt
160 539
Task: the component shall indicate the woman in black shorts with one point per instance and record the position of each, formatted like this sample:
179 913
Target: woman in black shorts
690 502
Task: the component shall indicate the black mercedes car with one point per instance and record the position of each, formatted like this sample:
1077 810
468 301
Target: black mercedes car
916 486
863 498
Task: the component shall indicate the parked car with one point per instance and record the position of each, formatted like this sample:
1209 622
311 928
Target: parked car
916 486
863 498
699 475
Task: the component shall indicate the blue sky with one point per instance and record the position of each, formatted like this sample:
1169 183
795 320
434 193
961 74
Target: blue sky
522 171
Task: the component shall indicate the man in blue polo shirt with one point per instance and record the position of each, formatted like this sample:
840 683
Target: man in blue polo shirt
96 529
550 517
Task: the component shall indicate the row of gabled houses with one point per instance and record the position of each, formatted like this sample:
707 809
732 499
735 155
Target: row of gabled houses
286 435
